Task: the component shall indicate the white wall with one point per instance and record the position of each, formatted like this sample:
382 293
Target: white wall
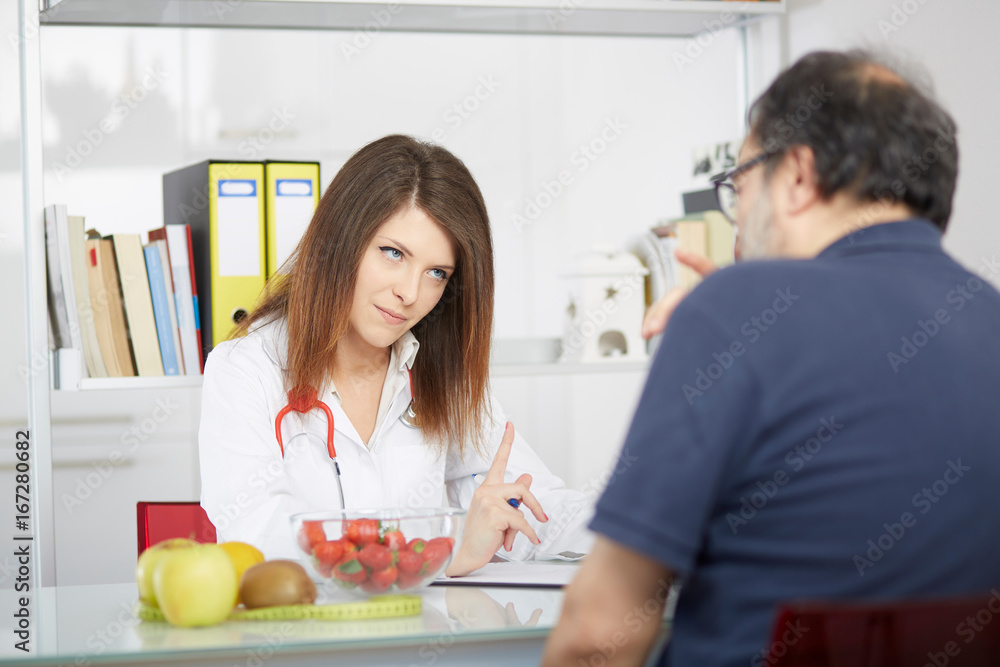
955 43
529 104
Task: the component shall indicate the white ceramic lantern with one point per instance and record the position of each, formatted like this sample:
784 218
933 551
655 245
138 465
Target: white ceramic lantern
606 306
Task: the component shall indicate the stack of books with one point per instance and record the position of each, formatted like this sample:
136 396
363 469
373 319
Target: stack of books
706 233
129 308
119 307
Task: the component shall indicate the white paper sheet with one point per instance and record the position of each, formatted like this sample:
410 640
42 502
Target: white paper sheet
293 210
238 228
546 574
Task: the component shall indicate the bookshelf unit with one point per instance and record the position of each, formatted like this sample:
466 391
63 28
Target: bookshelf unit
622 18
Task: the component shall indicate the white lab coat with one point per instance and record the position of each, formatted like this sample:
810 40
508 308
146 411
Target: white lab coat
249 491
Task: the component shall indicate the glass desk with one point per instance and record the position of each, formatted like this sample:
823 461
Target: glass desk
459 625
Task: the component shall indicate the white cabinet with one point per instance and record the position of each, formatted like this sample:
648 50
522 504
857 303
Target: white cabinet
576 421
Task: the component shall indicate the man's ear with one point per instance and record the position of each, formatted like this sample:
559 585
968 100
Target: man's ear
795 185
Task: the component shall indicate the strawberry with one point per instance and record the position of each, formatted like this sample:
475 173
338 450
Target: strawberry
310 534
394 539
382 579
325 570
362 531
350 550
436 554
416 545
329 553
375 556
410 561
408 580
369 586
449 541
350 571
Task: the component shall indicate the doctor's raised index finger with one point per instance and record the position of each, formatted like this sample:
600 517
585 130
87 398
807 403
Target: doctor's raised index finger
499 466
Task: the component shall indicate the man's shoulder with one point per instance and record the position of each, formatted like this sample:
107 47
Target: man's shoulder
756 271
747 282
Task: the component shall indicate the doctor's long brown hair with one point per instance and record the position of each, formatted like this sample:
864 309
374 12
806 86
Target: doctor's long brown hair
451 372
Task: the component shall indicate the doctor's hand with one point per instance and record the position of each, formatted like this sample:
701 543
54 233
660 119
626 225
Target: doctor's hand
659 313
474 609
491 520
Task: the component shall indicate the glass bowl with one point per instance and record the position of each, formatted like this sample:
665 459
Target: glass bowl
379 551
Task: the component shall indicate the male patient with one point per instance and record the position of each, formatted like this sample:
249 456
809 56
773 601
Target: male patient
825 425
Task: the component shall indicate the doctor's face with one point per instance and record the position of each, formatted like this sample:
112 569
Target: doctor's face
401 278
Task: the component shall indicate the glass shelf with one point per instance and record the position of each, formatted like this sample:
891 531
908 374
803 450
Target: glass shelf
496 370
635 18
165 382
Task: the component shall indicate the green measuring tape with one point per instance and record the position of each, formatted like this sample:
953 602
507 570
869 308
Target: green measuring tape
385 606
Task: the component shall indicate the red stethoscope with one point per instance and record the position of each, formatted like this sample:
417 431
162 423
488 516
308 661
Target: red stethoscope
304 399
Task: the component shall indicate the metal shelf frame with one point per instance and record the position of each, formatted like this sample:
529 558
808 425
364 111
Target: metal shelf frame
42 524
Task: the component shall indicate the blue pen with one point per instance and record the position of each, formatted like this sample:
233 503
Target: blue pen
513 502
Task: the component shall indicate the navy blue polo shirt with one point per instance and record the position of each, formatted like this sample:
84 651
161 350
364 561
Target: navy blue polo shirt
822 428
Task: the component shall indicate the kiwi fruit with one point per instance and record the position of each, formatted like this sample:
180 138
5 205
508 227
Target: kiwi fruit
275 583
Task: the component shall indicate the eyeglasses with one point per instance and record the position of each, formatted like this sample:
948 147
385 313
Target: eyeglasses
725 190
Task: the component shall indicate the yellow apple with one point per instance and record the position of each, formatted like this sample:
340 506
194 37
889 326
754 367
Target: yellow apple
195 586
147 562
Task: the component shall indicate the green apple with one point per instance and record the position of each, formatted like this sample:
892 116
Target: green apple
148 561
195 586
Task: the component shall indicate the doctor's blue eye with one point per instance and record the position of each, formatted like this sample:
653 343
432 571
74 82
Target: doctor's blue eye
391 252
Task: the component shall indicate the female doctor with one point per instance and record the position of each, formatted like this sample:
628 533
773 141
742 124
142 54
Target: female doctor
397 260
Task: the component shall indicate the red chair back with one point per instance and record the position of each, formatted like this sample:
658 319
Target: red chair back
161 521
915 633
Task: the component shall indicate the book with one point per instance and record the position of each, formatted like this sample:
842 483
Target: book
652 252
186 306
721 238
161 308
99 307
195 298
168 284
59 300
691 236
138 304
108 305
77 238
